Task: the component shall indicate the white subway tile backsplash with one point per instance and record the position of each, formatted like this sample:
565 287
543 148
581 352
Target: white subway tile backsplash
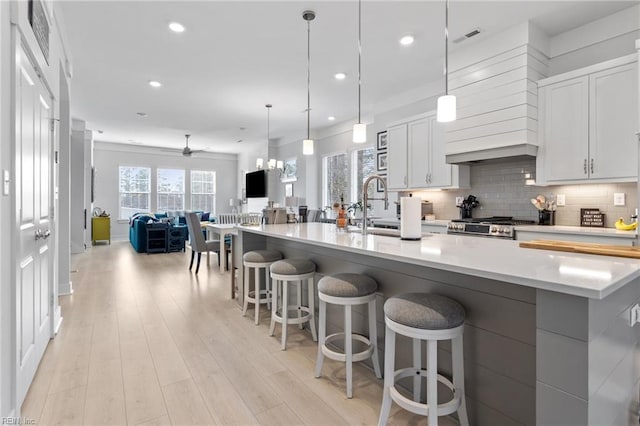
501 190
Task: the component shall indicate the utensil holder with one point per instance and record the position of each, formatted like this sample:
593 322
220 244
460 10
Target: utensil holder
546 217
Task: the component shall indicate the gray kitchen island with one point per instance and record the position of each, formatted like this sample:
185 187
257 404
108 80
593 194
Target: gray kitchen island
548 339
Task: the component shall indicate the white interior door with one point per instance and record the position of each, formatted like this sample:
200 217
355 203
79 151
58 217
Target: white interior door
33 220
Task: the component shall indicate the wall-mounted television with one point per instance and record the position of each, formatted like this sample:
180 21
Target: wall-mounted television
256 184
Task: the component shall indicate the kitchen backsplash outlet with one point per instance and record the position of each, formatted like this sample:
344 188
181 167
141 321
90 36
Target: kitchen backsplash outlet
501 191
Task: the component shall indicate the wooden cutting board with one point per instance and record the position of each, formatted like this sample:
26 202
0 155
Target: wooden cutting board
585 248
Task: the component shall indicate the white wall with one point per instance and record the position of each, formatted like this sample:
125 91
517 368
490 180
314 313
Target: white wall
64 189
109 156
77 187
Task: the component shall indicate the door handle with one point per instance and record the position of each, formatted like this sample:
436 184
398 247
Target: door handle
585 166
38 234
592 166
46 234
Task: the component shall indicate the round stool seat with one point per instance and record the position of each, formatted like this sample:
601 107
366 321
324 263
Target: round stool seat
424 311
293 267
261 256
347 285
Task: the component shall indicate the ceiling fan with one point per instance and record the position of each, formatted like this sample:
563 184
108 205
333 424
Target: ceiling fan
186 151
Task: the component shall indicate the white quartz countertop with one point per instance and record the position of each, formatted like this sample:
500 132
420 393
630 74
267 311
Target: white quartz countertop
583 275
577 230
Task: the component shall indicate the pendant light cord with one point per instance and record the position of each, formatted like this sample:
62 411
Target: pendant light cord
446 48
308 78
359 55
268 122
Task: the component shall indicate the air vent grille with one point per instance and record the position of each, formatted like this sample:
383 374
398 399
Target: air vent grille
468 35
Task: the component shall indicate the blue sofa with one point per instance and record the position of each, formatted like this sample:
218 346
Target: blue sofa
138 227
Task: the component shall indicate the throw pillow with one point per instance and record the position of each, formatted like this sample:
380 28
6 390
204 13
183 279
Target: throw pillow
204 217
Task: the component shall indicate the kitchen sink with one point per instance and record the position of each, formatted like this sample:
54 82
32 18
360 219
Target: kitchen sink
376 231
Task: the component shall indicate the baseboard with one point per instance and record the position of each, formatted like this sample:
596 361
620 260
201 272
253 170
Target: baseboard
57 320
65 289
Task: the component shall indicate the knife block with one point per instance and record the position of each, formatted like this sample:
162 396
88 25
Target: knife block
546 217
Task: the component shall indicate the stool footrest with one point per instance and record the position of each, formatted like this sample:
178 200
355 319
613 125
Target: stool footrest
340 356
444 409
292 317
251 297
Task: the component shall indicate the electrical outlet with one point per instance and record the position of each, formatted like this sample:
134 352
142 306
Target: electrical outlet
459 201
634 315
618 199
561 200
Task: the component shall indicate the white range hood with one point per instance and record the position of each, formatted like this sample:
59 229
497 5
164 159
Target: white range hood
495 85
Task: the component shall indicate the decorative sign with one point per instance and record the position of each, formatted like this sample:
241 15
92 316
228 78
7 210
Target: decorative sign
40 26
592 218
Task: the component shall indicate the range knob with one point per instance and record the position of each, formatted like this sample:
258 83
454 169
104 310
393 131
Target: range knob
494 229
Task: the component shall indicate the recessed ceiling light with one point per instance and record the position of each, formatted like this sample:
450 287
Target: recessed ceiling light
331 118
176 27
154 83
100 131
406 40
142 114
340 76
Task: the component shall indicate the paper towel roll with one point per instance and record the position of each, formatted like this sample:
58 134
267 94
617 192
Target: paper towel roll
410 218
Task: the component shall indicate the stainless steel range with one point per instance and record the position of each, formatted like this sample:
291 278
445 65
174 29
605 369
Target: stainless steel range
493 227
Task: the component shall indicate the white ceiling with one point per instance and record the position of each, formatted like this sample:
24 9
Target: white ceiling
236 56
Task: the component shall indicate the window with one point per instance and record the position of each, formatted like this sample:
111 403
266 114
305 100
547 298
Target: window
135 190
335 182
363 164
203 191
170 189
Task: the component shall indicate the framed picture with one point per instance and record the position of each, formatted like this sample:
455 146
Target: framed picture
288 190
382 141
379 187
382 161
289 172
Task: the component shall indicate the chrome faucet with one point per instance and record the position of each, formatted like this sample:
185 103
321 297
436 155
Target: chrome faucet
366 199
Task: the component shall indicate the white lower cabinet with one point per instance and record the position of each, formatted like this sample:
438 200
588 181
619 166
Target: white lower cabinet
588 119
416 156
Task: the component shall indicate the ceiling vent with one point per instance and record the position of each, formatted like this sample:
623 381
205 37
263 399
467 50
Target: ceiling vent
468 35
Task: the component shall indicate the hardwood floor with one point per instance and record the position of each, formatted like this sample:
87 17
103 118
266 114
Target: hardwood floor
145 341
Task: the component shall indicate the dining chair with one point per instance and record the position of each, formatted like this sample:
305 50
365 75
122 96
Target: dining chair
198 243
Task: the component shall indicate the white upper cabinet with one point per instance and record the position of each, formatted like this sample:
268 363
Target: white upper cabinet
397 156
416 157
613 123
564 122
588 120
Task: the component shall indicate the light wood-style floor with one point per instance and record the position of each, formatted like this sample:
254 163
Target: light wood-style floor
145 341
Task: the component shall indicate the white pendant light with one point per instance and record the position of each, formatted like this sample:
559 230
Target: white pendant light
447 103
307 147
359 129
271 163
307 144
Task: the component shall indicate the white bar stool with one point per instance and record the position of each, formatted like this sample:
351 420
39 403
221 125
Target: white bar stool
285 272
430 317
348 290
257 260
